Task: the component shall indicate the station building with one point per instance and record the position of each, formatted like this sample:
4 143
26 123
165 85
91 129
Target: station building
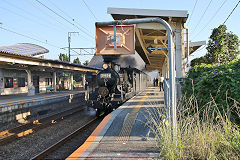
23 70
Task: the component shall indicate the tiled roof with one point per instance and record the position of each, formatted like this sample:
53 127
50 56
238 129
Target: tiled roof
26 49
96 61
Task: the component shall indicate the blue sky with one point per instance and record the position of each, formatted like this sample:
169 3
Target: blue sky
30 18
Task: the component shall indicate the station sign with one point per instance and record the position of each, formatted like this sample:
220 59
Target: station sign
123 43
150 49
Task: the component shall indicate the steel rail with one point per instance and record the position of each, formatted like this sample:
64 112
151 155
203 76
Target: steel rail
62 141
32 127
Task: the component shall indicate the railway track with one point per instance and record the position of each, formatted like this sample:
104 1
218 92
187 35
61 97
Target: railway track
63 148
32 127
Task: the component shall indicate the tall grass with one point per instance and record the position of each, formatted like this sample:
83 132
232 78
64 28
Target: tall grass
207 134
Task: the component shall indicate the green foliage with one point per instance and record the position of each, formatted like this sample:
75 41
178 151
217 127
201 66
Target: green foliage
63 57
77 61
209 136
223 47
86 63
218 82
77 77
198 61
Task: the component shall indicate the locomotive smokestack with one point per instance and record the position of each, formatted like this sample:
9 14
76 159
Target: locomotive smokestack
110 58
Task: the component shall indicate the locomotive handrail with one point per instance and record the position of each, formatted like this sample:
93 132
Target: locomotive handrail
171 56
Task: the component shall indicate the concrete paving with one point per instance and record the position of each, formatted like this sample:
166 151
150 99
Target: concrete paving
123 134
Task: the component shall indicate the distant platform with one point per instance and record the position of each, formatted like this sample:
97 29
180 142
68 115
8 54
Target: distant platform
18 108
123 134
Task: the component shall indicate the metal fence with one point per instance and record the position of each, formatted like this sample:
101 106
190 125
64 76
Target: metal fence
167 97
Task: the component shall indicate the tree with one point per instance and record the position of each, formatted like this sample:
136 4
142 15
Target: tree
63 57
222 47
77 61
77 76
86 63
198 61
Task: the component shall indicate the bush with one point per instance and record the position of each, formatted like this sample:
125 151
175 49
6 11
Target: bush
218 82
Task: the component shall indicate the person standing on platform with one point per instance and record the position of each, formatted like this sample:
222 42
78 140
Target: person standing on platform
154 82
157 82
161 79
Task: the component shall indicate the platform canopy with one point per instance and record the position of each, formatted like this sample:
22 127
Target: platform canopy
23 62
155 34
25 49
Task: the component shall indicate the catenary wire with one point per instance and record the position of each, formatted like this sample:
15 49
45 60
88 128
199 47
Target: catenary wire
210 20
28 18
62 24
202 16
48 15
74 20
26 36
90 10
64 18
192 11
30 14
231 12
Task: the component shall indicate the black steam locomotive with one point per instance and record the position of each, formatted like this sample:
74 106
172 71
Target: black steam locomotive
114 86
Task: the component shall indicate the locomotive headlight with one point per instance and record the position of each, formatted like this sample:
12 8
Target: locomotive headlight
105 66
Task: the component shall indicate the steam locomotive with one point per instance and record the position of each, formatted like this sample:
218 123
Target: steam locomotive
115 85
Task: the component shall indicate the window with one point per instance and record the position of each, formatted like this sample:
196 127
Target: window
21 82
48 81
8 82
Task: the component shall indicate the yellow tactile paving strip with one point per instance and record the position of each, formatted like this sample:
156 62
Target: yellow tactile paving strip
124 134
76 154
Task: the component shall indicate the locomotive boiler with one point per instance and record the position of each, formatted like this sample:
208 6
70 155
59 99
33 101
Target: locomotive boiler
114 86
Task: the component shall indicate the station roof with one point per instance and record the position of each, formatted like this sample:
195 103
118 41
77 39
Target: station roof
23 62
25 49
130 13
153 34
193 46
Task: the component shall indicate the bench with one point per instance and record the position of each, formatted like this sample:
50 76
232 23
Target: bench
49 88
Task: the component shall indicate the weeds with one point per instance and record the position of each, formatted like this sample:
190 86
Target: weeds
205 134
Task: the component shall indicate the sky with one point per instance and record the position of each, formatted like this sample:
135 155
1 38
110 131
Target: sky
34 21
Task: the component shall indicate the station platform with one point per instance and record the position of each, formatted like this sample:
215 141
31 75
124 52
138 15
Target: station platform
19 108
123 134
8 100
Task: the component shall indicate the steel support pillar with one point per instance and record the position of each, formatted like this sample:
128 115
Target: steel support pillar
54 81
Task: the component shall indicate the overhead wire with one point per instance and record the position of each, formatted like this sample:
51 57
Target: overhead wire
53 18
28 18
192 11
48 15
202 16
231 12
210 19
26 36
64 18
90 10
29 14
74 20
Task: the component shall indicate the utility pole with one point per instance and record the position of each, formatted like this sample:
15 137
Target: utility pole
69 44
